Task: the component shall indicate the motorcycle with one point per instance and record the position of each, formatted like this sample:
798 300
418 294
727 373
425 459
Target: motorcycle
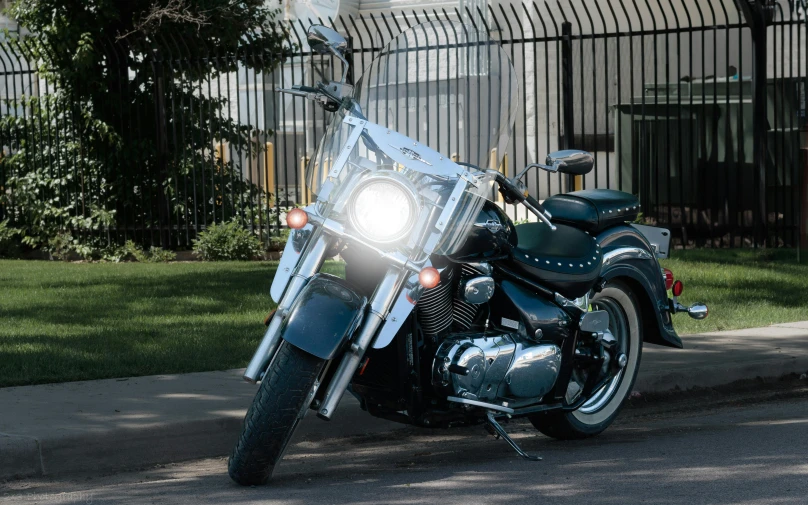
449 313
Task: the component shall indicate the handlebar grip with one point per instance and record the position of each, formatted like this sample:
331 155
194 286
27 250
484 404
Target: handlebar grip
535 204
513 194
509 192
307 89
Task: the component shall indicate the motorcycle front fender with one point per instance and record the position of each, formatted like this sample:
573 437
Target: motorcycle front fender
324 316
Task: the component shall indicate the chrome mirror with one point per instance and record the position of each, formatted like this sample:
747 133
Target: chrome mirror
570 161
324 40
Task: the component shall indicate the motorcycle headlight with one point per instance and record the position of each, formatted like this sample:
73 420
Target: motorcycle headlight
382 210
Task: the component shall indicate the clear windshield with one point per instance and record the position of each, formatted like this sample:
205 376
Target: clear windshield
411 132
447 86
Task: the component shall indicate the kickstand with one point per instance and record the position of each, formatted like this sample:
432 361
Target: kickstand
500 431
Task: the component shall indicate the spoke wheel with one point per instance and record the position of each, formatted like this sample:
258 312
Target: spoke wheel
619 327
599 411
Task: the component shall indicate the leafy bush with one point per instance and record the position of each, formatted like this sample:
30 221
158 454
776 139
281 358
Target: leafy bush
226 242
77 164
278 242
112 253
9 245
153 255
160 255
56 194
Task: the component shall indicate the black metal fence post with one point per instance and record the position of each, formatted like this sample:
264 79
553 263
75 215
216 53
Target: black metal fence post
755 14
163 210
351 57
568 111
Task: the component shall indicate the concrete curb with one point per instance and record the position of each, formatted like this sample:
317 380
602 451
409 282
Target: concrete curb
122 424
132 448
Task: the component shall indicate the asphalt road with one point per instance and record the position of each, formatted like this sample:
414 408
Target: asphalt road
744 447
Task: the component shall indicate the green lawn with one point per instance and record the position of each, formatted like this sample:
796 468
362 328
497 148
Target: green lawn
66 321
744 289
69 321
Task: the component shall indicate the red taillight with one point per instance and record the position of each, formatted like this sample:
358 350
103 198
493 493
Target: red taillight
668 278
678 287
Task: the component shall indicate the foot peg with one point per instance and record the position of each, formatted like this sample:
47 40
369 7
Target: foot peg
500 431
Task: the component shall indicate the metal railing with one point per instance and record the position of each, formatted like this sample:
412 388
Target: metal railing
696 107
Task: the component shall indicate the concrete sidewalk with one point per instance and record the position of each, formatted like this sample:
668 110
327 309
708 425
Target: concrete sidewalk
118 424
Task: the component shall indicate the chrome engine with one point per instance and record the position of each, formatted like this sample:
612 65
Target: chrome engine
495 368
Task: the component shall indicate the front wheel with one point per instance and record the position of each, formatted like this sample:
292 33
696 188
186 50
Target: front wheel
597 413
279 404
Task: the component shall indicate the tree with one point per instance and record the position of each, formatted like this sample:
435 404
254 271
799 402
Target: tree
127 113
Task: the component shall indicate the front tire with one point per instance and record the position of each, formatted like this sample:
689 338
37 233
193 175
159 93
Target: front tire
270 422
595 415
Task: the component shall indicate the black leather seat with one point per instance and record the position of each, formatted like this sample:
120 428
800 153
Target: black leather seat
593 210
567 260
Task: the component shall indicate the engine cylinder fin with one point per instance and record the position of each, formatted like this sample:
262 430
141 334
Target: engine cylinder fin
435 306
464 312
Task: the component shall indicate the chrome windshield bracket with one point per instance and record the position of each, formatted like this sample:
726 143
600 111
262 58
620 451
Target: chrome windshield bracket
353 138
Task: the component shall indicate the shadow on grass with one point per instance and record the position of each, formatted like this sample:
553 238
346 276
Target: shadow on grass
61 322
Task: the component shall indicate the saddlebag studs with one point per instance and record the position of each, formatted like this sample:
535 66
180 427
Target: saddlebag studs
500 432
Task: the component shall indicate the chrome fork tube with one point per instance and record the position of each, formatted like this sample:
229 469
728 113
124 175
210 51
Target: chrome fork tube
313 260
382 299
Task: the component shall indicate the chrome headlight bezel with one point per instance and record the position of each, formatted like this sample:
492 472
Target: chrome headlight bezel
406 190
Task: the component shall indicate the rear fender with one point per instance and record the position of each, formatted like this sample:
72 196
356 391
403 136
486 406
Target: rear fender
324 316
628 255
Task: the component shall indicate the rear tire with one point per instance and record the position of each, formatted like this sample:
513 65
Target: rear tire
271 420
625 322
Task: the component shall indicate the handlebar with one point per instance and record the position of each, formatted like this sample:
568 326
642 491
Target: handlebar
514 194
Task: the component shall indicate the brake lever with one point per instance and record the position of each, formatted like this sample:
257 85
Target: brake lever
295 92
319 95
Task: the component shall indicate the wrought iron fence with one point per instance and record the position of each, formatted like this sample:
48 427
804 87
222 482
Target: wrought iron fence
697 107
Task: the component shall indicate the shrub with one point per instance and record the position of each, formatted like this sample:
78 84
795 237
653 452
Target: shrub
160 255
9 245
226 242
98 61
278 242
153 255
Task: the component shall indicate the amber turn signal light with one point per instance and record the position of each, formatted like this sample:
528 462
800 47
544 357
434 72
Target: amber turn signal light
297 219
429 277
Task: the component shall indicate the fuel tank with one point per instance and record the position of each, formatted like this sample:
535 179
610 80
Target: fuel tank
491 237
